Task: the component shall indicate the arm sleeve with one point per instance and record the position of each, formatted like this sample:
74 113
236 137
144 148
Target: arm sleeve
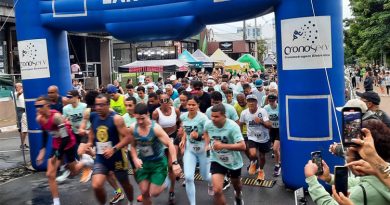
318 193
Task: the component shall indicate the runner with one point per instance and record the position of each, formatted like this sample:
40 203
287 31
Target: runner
273 112
73 112
117 101
240 106
142 97
56 101
147 152
63 144
168 118
195 147
83 131
226 143
257 122
107 126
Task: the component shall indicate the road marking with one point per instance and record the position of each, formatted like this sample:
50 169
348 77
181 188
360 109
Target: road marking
14 150
9 138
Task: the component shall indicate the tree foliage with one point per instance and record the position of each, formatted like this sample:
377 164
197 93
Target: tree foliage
368 34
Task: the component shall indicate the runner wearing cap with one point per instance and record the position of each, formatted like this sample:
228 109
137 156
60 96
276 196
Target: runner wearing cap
226 143
372 101
273 112
257 122
117 101
259 91
73 112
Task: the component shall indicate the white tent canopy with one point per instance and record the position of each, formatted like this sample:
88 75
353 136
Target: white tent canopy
198 54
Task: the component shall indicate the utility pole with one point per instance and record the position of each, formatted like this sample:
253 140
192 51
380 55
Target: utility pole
244 32
256 51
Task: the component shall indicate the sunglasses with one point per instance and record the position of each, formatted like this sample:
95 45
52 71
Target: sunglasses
166 100
39 106
69 96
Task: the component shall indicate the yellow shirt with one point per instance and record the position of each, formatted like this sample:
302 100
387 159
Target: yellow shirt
239 109
118 105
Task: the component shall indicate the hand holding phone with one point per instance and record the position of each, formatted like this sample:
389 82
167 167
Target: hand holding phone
352 125
341 179
316 158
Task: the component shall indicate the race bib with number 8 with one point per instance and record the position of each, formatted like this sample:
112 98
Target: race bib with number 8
146 151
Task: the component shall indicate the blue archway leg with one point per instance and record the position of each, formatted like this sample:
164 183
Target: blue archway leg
29 27
307 121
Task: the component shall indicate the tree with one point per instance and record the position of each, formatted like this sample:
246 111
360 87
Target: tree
368 34
261 49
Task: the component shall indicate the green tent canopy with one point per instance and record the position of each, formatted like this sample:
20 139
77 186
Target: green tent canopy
253 63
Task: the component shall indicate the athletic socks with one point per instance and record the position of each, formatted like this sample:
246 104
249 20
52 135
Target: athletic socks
56 201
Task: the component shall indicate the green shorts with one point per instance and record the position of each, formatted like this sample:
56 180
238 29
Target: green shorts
153 171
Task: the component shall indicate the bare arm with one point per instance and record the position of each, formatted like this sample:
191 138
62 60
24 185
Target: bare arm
123 130
164 139
267 124
240 146
155 115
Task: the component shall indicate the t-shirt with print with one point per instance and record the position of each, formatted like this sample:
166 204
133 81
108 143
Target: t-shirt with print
75 115
195 124
256 132
273 115
230 133
230 112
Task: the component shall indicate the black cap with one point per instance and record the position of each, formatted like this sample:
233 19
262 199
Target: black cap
272 97
370 96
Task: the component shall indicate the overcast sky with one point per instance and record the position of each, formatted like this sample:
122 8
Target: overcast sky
266 22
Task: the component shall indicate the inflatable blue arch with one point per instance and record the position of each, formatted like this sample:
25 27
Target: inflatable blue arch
309 39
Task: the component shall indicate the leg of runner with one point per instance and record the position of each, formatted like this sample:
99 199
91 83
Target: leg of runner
261 174
144 187
253 158
190 160
172 178
219 198
123 179
276 149
204 163
51 172
117 190
237 185
98 187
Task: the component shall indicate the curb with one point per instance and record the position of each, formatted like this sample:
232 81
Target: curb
11 128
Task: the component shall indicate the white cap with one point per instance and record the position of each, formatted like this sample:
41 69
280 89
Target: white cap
354 103
273 85
173 77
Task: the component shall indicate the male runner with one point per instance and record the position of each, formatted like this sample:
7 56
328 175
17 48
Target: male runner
226 143
147 152
257 122
106 129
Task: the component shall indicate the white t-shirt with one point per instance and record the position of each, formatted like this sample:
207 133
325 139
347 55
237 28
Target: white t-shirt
141 78
256 132
259 95
19 100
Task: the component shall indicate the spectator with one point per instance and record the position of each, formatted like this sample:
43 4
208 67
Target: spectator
369 82
372 101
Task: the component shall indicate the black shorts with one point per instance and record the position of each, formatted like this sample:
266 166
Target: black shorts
245 137
176 139
81 139
216 168
100 168
262 147
69 154
274 134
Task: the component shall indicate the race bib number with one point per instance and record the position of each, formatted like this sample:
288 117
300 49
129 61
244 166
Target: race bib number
101 146
146 151
226 158
196 148
275 124
258 135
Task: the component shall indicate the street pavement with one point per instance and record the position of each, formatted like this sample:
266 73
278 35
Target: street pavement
10 153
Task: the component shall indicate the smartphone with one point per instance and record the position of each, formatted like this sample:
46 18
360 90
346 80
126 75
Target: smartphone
316 158
341 179
352 125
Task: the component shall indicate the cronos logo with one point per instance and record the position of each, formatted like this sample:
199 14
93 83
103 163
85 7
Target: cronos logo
29 52
307 42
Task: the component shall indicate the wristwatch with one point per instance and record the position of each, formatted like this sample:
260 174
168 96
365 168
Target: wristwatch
175 162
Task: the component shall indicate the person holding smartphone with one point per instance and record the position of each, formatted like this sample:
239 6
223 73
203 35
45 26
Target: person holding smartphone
365 189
